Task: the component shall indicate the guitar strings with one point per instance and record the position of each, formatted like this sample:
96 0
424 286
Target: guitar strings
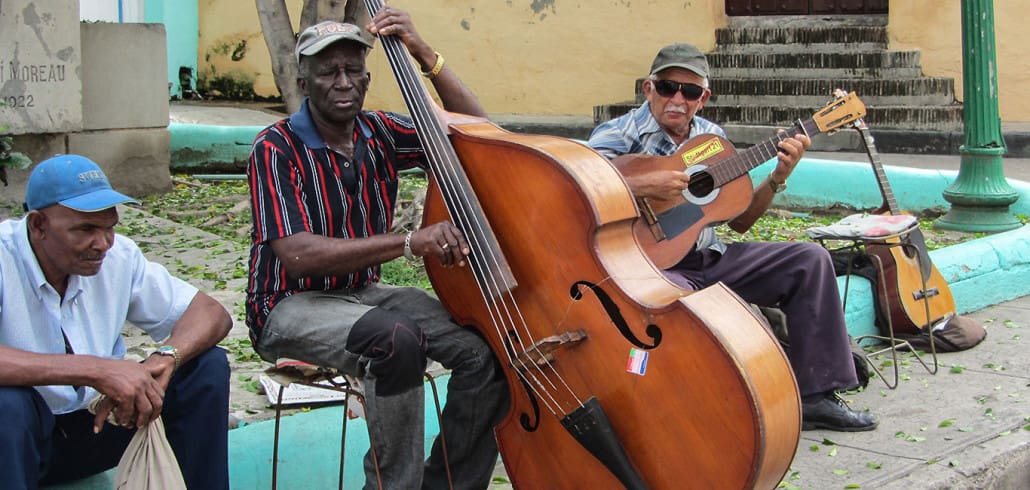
740 163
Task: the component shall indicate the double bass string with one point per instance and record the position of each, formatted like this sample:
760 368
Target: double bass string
502 308
447 173
450 177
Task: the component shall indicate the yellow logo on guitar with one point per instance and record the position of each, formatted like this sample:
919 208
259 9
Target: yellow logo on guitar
701 153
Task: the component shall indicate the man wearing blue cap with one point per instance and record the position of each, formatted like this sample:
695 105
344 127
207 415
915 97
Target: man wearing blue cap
68 285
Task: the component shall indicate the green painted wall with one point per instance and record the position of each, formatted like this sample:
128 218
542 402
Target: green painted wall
181 20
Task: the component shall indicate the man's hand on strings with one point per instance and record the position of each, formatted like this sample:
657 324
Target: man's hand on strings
444 240
660 184
391 21
789 151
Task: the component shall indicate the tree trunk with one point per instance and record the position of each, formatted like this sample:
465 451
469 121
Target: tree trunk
309 14
352 11
356 13
281 41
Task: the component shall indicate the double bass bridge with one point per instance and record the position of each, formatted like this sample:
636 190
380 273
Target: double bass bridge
542 352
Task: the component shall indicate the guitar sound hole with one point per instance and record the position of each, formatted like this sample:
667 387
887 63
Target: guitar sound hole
701 184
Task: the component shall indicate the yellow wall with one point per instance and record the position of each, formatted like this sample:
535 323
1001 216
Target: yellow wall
564 57
539 57
227 23
934 27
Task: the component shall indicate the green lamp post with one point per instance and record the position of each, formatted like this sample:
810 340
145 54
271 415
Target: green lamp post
980 197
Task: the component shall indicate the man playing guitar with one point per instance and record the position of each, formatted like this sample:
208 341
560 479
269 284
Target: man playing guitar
796 277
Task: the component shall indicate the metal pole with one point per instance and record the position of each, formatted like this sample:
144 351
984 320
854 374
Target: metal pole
980 197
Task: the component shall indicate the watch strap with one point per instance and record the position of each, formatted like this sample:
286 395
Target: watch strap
168 350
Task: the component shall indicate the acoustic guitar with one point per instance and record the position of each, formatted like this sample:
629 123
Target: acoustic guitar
719 188
916 294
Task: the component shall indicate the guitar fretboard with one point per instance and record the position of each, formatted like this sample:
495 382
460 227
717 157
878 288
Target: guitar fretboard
743 161
881 176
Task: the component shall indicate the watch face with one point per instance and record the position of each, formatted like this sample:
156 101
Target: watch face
167 350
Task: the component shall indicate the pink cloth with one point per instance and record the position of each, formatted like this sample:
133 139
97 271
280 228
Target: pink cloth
865 226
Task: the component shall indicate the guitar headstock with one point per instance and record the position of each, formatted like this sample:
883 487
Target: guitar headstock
844 109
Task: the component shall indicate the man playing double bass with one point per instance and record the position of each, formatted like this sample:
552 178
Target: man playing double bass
796 277
324 187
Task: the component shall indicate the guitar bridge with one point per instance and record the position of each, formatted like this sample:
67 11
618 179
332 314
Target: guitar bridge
925 293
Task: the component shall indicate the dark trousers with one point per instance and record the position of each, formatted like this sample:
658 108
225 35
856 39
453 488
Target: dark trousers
797 278
37 447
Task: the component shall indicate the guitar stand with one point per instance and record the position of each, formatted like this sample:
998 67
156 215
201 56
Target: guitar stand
854 250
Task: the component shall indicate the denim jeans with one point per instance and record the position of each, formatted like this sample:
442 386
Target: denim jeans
313 326
38 447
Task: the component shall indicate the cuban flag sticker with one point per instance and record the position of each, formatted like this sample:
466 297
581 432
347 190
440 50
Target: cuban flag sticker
637 363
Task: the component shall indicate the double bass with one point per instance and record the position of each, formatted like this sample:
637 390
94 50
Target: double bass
617 378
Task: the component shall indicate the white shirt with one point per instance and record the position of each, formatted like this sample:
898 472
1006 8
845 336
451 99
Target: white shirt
95 308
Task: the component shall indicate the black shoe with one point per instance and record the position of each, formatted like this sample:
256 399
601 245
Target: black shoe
831 413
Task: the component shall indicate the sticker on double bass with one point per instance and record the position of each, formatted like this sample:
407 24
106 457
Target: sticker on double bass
637 363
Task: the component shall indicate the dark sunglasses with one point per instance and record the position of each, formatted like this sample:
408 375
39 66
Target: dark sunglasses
668 88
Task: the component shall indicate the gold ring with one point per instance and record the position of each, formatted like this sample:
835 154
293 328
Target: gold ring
444 246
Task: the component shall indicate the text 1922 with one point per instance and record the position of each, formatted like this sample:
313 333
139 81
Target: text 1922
19 101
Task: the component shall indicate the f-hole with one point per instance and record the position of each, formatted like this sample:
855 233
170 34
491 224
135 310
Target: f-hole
653 331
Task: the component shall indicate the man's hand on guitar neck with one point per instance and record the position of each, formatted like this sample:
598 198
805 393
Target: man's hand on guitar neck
790 152
659 184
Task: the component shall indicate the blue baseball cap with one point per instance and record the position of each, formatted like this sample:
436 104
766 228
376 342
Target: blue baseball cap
72 181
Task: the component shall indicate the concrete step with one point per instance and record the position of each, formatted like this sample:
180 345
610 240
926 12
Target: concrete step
793 39
806 21
858 64
807 73
815 100
792 49
792 91
896 117
922 118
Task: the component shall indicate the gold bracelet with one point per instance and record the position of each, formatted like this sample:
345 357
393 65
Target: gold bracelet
433 72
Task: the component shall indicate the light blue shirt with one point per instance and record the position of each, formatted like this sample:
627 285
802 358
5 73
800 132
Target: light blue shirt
637 131
93 312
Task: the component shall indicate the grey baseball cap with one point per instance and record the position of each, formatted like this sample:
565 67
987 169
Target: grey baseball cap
319 36
684 56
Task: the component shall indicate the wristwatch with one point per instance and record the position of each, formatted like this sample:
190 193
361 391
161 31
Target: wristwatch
167 350
777 187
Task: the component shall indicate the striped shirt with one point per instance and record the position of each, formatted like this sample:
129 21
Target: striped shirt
299 184
638 131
